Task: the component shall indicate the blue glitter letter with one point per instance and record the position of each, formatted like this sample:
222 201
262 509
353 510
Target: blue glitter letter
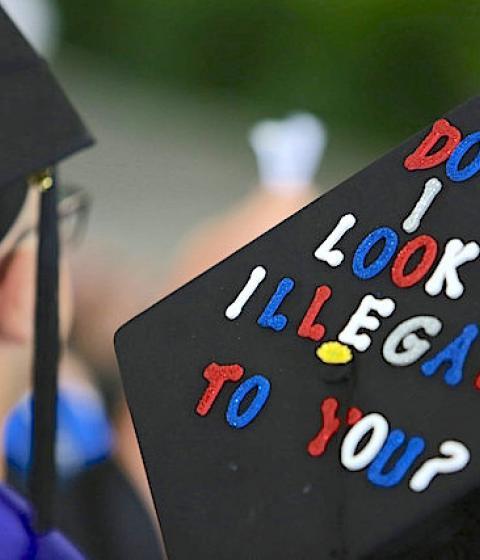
456 174
456 353
262 384
394 476
268 319
390 238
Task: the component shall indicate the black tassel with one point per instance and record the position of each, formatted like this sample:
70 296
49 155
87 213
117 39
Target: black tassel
42 478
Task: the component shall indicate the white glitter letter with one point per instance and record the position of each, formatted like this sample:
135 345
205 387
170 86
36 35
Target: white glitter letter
325 252
432 187
257 276
414 347
456 253
362 320
349 457
456 457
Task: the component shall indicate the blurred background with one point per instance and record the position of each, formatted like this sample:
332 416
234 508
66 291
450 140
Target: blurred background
170 89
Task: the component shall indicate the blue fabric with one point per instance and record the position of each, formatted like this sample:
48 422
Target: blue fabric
18 540
84 434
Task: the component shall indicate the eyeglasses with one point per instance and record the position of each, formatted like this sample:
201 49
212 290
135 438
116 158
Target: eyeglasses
74 205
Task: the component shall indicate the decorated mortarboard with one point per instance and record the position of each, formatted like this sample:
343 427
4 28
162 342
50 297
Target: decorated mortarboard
39 127
316 394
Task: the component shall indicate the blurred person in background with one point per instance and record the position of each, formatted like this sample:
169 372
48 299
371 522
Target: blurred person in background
39 129
288 153
80 410
83 436
39 22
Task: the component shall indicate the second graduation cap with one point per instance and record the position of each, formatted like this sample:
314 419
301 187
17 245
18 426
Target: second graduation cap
316 395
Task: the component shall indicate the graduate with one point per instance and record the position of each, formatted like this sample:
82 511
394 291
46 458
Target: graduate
38 129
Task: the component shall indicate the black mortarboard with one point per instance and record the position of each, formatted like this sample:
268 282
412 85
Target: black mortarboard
316 394
39 127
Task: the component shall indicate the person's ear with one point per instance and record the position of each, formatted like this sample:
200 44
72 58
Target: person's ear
17 294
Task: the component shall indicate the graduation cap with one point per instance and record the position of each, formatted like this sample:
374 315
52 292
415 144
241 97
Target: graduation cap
316 394
39 127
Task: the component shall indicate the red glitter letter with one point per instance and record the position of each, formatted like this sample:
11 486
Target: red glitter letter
331 423
307 328
216 375
354 415
429 246
421 158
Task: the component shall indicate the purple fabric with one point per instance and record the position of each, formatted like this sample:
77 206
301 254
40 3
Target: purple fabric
18 540
54 546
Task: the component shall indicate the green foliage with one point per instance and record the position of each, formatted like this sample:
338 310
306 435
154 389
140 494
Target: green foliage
384 67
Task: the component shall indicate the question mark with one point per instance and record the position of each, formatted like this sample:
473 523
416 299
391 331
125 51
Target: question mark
455 458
